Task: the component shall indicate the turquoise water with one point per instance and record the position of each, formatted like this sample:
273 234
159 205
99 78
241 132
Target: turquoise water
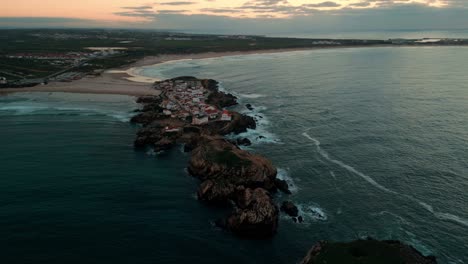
374 141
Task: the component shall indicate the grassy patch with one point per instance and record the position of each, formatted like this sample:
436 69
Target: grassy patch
227 158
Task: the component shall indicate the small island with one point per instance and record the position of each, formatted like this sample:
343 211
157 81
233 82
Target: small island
193 112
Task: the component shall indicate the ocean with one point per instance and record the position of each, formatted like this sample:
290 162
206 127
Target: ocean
373 140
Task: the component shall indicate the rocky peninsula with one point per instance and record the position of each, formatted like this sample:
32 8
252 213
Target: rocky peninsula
192 112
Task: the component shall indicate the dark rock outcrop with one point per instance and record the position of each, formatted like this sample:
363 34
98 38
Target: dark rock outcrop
256 216
365 251
282 185
217 159
249 106
243 142
239 124
217 98
290 208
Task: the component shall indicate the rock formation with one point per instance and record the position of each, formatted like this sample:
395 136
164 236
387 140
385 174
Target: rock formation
365 251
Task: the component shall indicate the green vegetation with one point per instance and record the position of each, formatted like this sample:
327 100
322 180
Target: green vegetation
228 158
138 43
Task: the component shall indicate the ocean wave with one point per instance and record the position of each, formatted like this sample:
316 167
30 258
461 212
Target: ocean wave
252 95
429 208
349 168
283 174
38 109
312 212
262 133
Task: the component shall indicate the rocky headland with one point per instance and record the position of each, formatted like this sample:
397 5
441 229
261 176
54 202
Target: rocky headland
192 112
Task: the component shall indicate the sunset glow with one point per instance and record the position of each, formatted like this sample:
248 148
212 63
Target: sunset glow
141 10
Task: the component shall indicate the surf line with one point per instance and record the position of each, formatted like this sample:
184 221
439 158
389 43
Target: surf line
429 208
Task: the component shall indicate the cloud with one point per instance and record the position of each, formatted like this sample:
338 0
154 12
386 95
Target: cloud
323 4
178 3
48 22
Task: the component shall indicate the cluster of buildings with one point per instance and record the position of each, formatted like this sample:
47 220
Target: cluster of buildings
50 56
186 100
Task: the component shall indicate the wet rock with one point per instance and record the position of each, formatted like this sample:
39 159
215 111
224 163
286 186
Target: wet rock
145 118
243 142
282 185
290 208
256 216
148 99
249 106
163 144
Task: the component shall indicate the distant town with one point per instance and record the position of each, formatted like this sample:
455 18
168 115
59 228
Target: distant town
37 57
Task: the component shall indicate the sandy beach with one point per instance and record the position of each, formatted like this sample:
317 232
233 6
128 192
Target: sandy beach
125 81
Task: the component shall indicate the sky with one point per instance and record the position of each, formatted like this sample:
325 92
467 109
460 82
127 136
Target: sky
239 16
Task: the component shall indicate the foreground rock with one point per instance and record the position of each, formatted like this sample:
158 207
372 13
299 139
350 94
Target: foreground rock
365 251
290 208
256 215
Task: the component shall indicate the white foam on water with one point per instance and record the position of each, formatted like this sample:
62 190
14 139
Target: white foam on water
430 208
252 95
283 174
325 155
312 212
333 174
51 110
261 134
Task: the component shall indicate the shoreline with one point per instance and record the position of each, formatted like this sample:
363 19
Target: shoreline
126 81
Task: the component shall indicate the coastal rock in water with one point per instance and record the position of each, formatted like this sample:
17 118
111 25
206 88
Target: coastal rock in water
249 106
163 144
217 98
243 142
217 159
148 136
365 251
282 185
256 216
145 118
290 208
148 99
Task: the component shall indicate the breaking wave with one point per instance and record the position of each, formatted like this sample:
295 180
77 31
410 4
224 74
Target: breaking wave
429 208
25 108
283 174
312 212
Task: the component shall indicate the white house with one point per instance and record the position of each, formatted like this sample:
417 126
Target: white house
200 120
170 129
226 116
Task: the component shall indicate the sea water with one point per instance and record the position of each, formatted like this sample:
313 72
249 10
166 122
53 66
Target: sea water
373 141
